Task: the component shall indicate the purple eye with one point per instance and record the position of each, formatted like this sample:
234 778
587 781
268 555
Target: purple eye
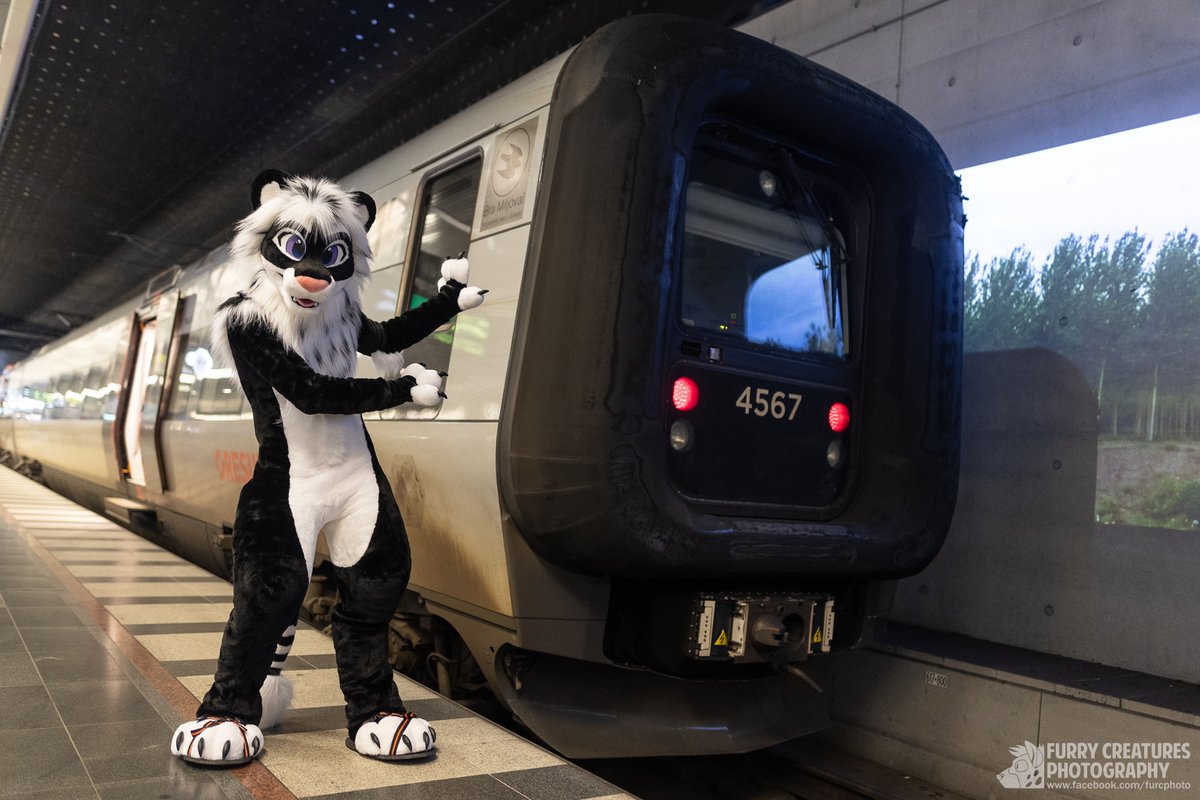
291 244
335 254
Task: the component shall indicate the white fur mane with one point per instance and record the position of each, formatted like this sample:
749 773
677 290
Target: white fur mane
328 338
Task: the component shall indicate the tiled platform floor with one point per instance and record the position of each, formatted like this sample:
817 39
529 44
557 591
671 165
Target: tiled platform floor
105 642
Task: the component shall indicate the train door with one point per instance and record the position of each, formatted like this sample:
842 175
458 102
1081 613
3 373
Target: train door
131 430
139 441
441 230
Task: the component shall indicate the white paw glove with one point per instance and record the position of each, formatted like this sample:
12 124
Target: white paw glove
428 389
217 740
395 736
455 269
459 270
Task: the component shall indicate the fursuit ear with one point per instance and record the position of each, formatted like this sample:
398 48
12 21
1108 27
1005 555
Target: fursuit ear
268 184
364 208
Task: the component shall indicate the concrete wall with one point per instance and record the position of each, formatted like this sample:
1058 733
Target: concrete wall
996 78
955 730
1025 562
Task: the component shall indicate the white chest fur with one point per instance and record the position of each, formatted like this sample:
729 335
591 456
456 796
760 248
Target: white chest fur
319 442
332 482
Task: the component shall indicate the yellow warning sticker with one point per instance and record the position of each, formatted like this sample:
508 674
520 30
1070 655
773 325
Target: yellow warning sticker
817 636
722 640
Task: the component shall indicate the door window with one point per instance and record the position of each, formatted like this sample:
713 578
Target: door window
444 230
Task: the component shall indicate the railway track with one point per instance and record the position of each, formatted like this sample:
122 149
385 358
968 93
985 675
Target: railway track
797 770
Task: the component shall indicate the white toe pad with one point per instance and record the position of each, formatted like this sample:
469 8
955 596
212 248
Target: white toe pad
395 737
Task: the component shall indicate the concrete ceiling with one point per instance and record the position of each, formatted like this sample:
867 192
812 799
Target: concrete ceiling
133 127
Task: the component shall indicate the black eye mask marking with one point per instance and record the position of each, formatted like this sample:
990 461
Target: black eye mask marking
335 254
290 246
291 243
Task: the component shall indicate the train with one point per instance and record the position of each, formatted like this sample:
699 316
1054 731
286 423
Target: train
708 414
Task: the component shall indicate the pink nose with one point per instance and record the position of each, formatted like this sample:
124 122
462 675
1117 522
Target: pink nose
311 284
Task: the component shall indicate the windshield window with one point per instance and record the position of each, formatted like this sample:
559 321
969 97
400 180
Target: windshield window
762 262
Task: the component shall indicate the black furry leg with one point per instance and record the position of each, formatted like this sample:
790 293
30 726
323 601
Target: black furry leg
360 638
247 650
270 578
370 593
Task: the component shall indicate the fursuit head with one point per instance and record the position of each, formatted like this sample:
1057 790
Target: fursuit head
304 251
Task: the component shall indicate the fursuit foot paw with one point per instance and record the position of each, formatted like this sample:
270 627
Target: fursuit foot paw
427 390
392 736
217 742
455 274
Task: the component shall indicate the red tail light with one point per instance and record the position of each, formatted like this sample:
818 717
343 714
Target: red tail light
685 394
839 417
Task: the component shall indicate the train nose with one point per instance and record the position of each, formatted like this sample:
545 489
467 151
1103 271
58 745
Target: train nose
311 284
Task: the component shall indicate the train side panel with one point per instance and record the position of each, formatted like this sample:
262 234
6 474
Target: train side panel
64 420
447 494
474 124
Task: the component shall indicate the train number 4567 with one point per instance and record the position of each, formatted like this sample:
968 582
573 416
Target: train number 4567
762 402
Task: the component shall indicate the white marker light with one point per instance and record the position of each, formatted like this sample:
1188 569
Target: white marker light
767 182
681 435
833 454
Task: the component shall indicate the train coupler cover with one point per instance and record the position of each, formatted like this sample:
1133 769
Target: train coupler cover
775 629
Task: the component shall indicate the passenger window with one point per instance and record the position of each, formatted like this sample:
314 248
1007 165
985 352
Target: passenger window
73 398
111 392
213 388
389 234
33 403
94 386
57 402
216 395
446 212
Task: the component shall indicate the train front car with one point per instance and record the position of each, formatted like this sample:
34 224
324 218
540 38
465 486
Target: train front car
733 407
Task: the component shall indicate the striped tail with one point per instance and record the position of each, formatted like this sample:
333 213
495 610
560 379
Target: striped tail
276 690
282 648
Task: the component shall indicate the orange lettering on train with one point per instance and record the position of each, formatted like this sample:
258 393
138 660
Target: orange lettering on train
235 466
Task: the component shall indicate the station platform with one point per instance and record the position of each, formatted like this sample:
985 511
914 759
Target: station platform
106 641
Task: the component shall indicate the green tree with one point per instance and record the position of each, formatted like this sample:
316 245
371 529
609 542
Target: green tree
1093 295
1001 302
1173 311
1167 345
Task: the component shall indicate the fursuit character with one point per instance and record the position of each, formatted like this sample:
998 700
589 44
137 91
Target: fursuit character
292 336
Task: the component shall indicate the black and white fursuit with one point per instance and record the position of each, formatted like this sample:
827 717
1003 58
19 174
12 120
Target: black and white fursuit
292 337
